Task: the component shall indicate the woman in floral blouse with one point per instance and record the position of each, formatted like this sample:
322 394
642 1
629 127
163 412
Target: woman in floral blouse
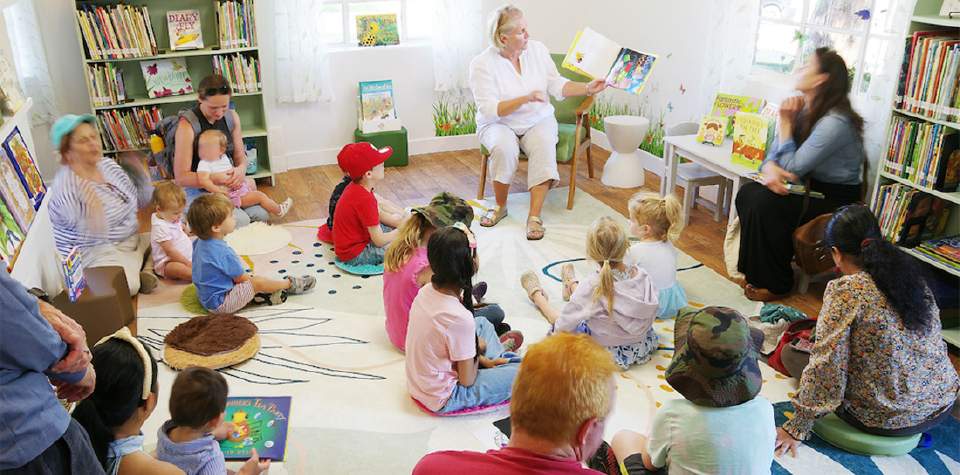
879 362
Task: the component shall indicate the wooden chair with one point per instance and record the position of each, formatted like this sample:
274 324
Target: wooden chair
695 176
573 116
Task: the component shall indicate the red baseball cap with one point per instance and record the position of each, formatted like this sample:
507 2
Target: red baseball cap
358 158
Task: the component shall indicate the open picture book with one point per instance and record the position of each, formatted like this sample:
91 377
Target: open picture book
593 55
258 423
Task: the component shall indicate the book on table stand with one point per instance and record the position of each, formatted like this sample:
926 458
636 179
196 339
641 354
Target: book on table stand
376 111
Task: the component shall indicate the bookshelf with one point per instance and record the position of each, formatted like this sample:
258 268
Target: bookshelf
199 64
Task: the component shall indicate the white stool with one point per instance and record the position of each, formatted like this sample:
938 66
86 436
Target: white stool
624 168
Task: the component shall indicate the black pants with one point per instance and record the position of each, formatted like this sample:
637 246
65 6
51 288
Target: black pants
916 429
767 222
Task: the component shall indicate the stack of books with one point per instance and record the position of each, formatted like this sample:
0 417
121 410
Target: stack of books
909 216
921 152
945 250
236 27
929 75
122 31
243 71
105 81
128 129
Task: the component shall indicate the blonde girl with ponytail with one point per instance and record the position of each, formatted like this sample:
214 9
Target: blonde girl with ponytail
616 304
656 223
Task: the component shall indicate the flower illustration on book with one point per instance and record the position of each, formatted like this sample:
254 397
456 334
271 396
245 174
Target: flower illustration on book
165 92
152 70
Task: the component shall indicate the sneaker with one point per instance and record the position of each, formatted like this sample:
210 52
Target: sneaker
284 207
276 298
299 285
479 291
511 340
148 282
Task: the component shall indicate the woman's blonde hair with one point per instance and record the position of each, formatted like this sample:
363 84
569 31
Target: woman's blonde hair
607 244
408 240
663 215
503 21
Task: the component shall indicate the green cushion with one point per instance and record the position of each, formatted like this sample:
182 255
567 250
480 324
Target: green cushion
191 302
844 436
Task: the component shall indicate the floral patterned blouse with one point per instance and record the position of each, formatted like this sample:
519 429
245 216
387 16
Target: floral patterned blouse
885 375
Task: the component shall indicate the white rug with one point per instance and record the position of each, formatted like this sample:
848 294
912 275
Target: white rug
258 238
328 349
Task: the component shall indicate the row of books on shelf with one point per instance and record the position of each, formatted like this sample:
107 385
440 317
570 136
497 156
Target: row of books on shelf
929 78
924 153
128 129
909 216
21 192
113 32
944 250
236 27
242 71
105 83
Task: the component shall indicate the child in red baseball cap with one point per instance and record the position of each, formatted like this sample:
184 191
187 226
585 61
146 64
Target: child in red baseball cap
364 224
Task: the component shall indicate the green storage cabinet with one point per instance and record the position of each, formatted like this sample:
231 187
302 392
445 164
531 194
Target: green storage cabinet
396 139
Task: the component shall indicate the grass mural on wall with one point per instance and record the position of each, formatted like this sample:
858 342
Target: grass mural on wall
454 116
606 107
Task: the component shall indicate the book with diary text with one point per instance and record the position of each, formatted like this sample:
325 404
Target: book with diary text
183 27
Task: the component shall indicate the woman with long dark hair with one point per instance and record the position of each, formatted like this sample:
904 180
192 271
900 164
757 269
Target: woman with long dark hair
879 361
820 143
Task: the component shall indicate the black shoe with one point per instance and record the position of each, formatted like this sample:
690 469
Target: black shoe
604 461
502 328
276 298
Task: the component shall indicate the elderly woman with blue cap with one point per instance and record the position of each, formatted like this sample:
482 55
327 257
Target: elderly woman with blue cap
94 202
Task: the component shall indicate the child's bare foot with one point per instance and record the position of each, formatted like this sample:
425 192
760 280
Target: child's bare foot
285 207
299 285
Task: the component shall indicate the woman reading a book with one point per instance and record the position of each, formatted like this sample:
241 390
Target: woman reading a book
879 361
510 82
821 145
94 202
213 112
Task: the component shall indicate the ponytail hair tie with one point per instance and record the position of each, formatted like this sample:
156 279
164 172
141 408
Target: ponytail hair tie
865 242
471 238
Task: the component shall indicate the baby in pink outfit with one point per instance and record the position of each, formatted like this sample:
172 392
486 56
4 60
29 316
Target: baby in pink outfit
170 246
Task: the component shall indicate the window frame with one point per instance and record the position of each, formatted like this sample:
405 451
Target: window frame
346 41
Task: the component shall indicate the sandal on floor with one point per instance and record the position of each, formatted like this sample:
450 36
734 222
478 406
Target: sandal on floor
511 340
535 229
492 216
569 277
531 283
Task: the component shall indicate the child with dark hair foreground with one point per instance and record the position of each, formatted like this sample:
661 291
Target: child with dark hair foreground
197 402
223 286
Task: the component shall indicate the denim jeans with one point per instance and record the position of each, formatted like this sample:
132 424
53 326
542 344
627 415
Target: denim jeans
244 215
493 313
69 454
493 385
372 255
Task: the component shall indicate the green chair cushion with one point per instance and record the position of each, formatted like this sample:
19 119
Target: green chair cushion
844 436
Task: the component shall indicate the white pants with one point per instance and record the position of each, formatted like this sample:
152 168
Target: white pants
131 254
538 142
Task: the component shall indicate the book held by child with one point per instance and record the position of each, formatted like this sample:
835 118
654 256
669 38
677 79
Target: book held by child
258 423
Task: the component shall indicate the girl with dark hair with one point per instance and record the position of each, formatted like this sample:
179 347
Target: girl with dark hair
879 361
446 345
124 397
820 144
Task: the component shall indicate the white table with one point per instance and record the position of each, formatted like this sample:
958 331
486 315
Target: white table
624 168
716 159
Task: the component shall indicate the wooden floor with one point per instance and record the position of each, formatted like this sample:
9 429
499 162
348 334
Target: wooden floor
458 172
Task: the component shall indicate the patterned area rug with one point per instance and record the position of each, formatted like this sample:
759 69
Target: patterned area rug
329 350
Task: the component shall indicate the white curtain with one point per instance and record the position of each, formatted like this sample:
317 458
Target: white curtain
303 72
457 31
31 61
731 38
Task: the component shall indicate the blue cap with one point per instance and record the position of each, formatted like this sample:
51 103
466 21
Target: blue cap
66 124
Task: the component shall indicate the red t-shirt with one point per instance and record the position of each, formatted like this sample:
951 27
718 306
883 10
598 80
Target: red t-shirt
356 210
506 461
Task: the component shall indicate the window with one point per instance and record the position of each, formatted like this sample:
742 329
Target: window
859 30
339 17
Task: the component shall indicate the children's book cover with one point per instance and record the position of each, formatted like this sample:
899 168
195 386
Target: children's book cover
376 100
166 77
377 30
14 194
948 173
712 130
183 26
13 96
73 274
258 423
919 211
728 105
752 139
26 168
595 56
11 235
631 70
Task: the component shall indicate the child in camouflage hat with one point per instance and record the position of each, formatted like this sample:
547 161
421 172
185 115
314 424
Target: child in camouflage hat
721 426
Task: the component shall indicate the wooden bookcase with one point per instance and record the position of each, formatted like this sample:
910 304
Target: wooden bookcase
249 106
925 17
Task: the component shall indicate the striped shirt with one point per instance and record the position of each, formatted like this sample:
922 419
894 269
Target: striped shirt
88 214
885 375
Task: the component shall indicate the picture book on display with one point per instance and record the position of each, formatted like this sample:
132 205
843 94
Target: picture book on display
377 30
14 194
73 273
753 136
727 105
11 235
26 168
593 55
13 97
258 423
166 77
925 219
712 130
183 26
948 164
376 100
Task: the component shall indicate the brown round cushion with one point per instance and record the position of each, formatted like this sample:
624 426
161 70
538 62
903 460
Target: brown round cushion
212 341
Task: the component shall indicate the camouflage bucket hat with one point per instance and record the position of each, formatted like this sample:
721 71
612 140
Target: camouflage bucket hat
445 209
715 361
